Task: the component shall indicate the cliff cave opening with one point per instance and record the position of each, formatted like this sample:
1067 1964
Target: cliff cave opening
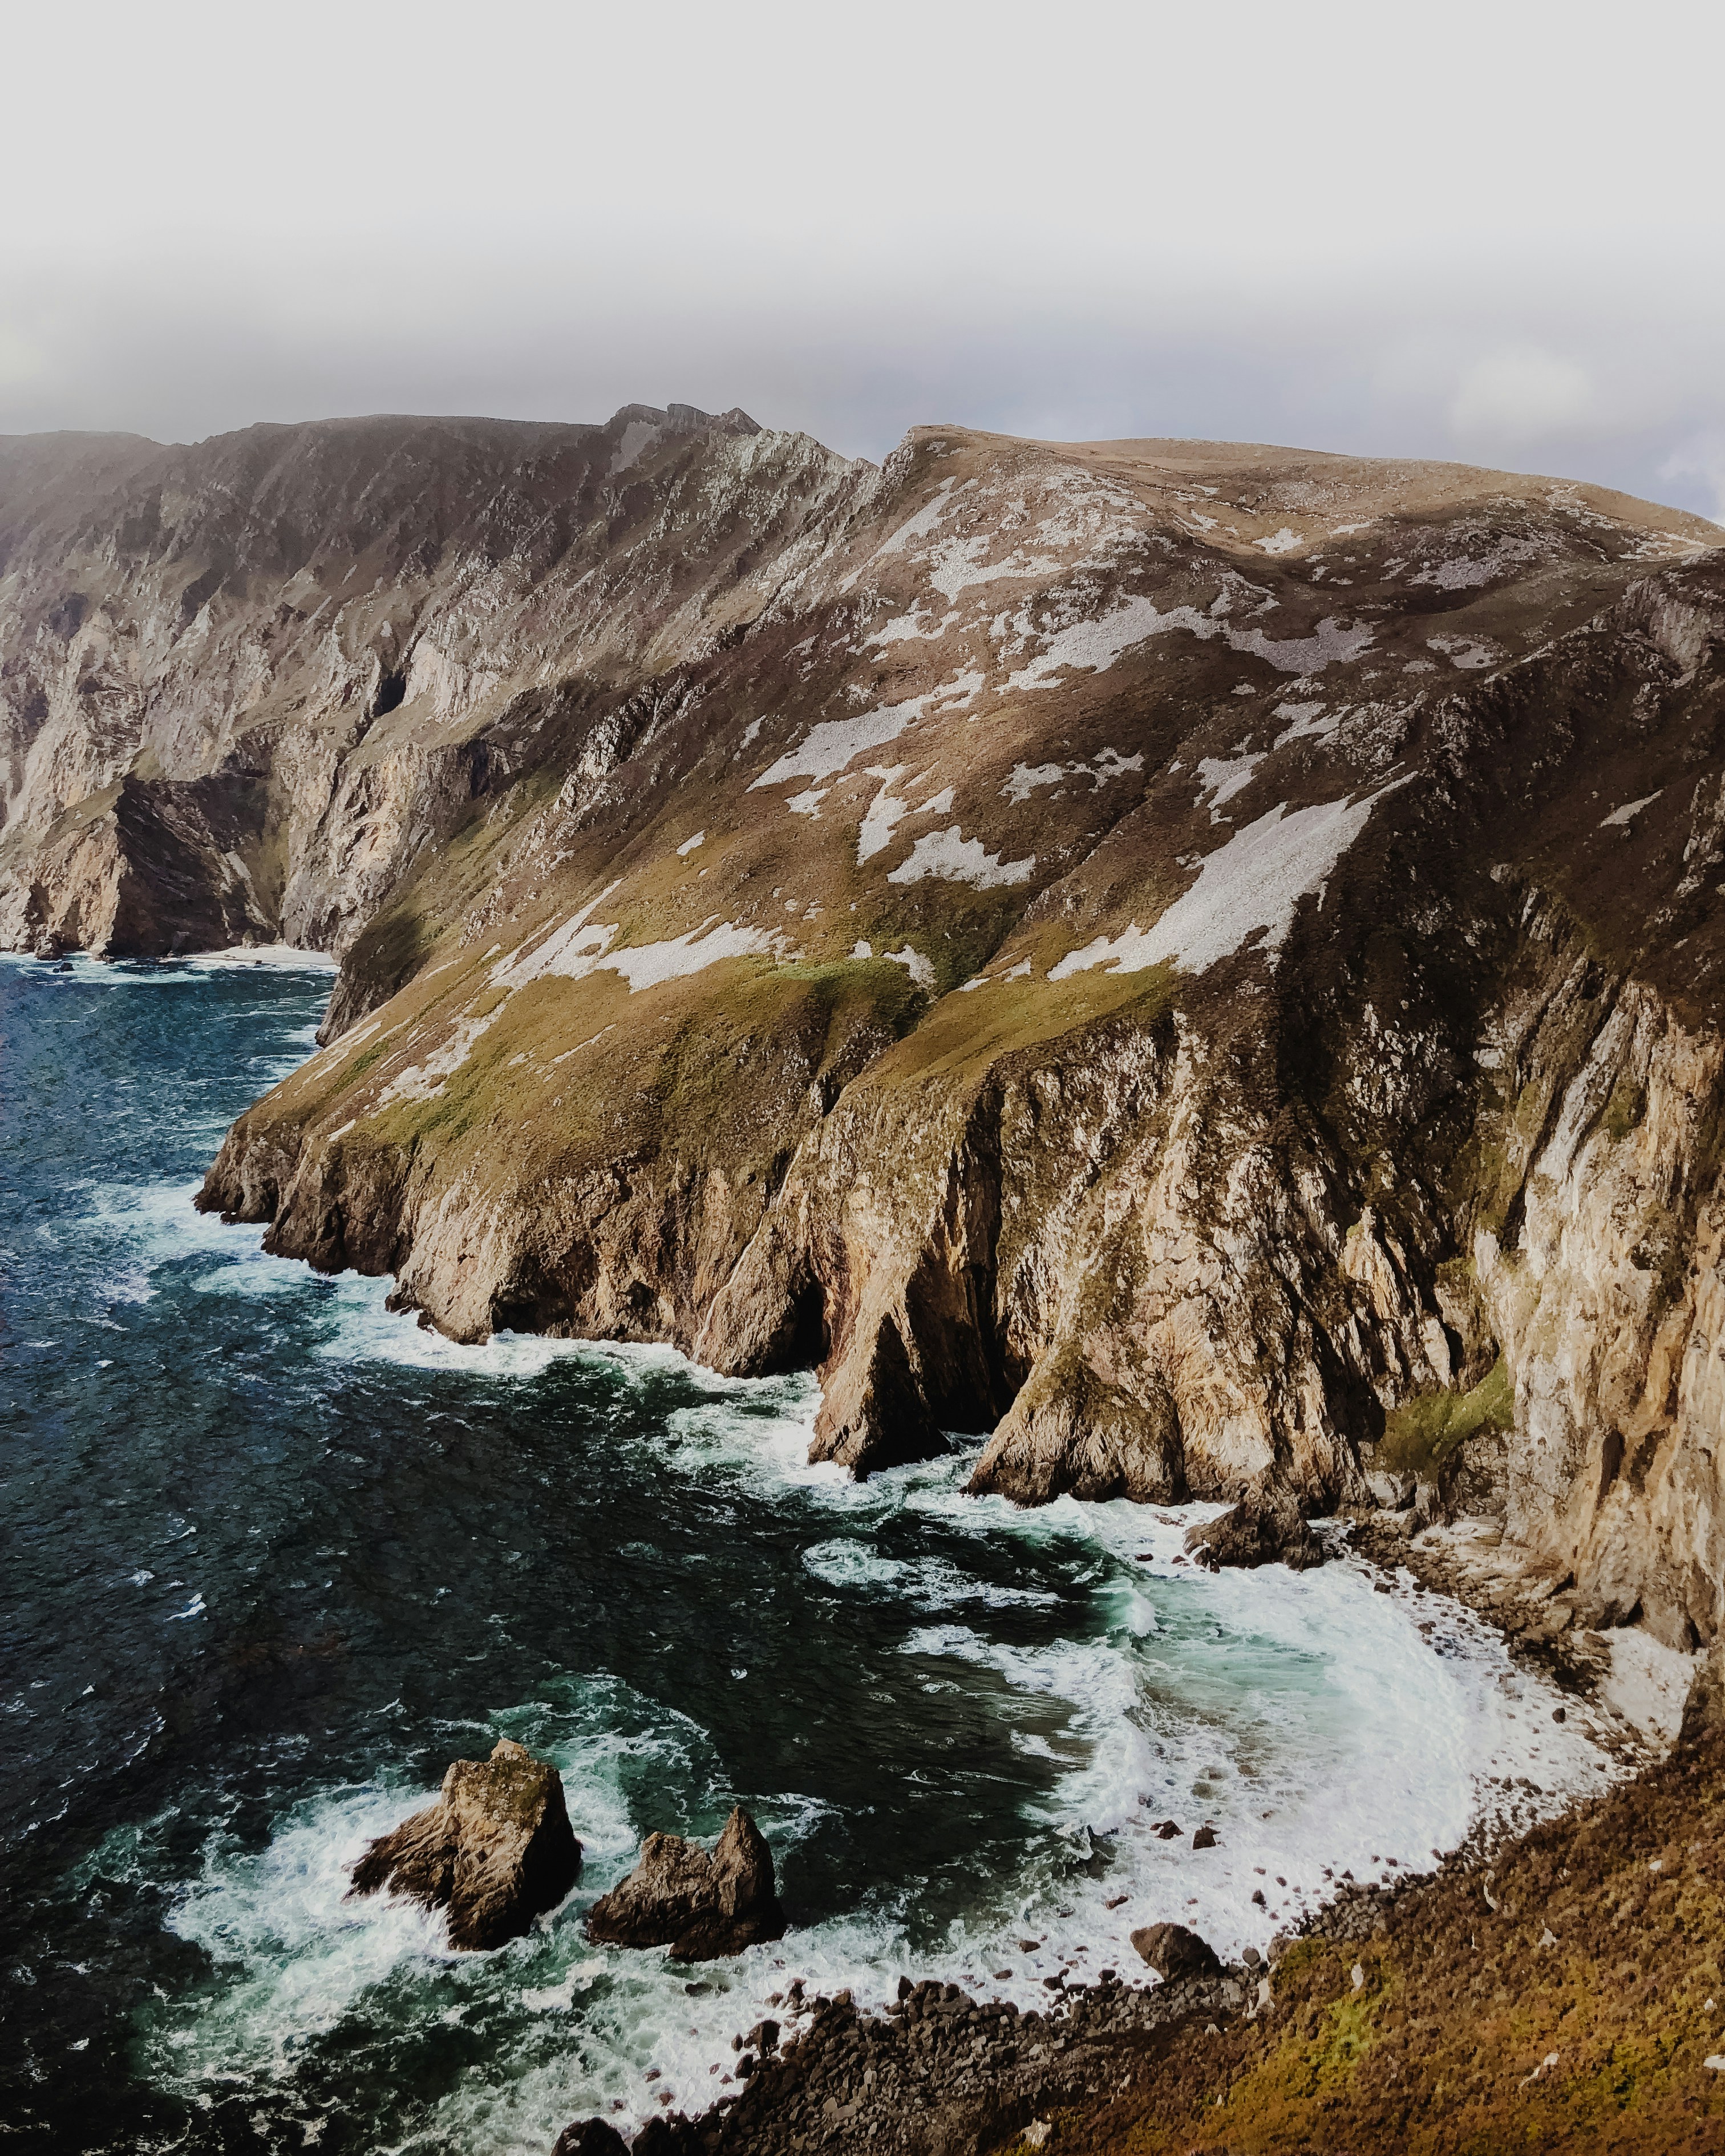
390 693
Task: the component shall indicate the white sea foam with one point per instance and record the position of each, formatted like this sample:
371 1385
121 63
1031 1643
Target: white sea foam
165 973
1308 1718
283 956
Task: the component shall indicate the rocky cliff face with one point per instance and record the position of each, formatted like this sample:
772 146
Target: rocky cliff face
245 686
1202 963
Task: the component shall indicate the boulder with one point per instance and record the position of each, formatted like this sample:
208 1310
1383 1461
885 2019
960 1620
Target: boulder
589 2136
494 1850
701 1906
1265 1528
661 2136
1174 1952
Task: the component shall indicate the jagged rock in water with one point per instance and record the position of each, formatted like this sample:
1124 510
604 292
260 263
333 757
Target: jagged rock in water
495 1850
701 1906
1174 1952
1265 1528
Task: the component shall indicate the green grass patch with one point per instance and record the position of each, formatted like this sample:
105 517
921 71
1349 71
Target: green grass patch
1422 1433
1626 1108
364 1060
971 1033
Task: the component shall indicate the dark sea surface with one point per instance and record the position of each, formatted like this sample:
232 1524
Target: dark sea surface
271 1557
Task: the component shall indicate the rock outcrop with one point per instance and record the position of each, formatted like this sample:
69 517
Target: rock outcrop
1266 1528
1198 965
701 1906
495 1850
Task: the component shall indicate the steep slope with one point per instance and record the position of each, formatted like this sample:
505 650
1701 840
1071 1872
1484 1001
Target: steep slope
1202 962
244 685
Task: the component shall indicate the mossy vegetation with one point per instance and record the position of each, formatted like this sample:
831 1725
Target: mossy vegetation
1625 1110
367 1058
1421 1434
970 1033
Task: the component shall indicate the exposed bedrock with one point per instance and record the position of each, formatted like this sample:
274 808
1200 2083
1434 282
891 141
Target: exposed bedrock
495 1850
368 618
702 1906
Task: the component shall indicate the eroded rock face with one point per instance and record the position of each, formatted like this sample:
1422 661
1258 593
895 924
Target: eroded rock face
1163 956
1265 1528
699 1905
495 1850
1174 1952
299 642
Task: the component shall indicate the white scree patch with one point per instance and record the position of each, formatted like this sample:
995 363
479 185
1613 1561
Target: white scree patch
1251 885
1098 644
920 969
1108 763
825 749
955 859
883 812
1223 776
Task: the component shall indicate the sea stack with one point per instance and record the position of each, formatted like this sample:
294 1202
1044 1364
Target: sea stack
701 1906
495 1850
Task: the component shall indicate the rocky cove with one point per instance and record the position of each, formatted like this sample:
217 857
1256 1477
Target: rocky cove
1177 977
1480 2008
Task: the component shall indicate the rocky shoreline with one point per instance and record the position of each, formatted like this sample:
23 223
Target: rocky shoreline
1271 2041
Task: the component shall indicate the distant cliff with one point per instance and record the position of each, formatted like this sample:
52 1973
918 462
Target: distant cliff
1202 962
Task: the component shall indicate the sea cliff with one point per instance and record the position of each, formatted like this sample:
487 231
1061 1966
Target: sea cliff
1200 962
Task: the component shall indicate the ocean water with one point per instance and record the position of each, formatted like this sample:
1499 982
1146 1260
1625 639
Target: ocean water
273 1557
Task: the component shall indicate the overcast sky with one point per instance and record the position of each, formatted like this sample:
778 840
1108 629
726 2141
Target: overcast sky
1494 232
